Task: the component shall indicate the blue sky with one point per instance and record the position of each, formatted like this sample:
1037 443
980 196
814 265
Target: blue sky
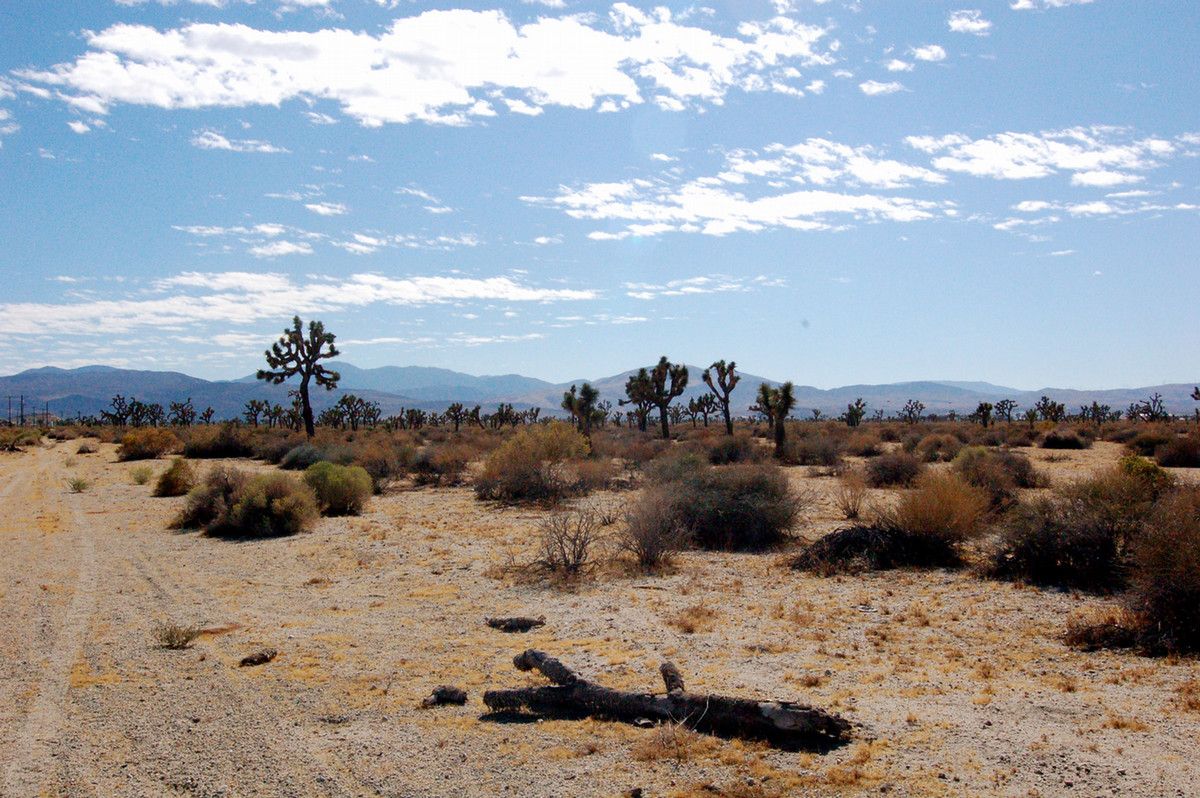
832 192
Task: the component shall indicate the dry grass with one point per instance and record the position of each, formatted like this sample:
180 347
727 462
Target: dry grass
697 617
851 495
673 742
173 636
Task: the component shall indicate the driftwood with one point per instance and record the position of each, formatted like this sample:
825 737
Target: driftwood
445 695
782 723
260 657
515 624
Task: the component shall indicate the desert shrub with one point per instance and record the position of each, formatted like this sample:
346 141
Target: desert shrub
271 446
86 448
225 440
893 468
174 636
1018 437
1078 538
854 549
78 484
734 449
594 474
62 433
938 516
567 543
440 464
1064 438
1146 442
177 480
307 454
864 444
384 461
1150 480
735 508
1108 628
340 490
141 474
147 444
653 532
674 467
998 473
812 450
851 494
529 465
1165 581
938 448
230 503
1179 453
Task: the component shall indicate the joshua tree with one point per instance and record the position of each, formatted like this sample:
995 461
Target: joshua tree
182 414
582 407
207 416
707 405
722 386
1031 417
1005 409
118 416
1050 410
777 403
254 409
855 412
816 414
299 354
603 410
983 413
457 414
912 411
638 391
763 405
661 393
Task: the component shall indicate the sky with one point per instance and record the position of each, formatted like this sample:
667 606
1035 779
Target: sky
829 192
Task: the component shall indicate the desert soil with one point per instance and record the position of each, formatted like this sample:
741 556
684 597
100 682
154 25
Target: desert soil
956 686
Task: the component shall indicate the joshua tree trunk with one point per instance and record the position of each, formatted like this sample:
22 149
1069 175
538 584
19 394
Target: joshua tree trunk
310 428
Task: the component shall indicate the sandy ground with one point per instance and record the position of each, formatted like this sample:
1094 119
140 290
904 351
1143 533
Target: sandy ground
957 686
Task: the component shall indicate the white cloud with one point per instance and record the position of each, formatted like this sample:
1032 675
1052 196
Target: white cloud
196 298
1093 154
751 194
1029 5
1103 178
929 52
659 156
896 65
439 66
212 140
276 249
689 286
78 126
872 88
969 21
327 208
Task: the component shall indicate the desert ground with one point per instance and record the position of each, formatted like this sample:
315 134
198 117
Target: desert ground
955 685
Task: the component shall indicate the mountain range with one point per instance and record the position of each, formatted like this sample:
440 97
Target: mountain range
89 389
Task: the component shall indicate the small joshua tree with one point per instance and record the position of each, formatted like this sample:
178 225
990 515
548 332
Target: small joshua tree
777 403
855 412
298 353
983 413
1005 409
722 386
912 411
581 405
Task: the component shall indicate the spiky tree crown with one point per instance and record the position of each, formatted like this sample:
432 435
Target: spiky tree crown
298 353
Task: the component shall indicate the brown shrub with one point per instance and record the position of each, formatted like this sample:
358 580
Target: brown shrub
938 448
893 468
441 464
567 543
864 444
1165 582
147 444
653 532
177 480
851 494
941 513
529 465
225 440
1181 452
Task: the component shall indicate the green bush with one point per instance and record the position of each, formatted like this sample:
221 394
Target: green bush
340 490
230 503
893 468
735 508
147 444
528 466
177 480
306 454
226 440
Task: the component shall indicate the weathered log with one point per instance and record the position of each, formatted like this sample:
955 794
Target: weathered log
260 657
445 694
515 624
783 723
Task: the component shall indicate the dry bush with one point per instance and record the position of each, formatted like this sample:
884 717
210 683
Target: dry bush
1065 438
272 445
147 444
674 742
938 448
738 448
999 473
864 444
854 549
938 516
1179 453
1113 627
385 460
230 503
529 465
652 533
1146 442
170 635
86 448
141 474
698 617
567 543
851 495
177 480
893 468
340 490
1165 582
441 464
813 449
224 440
78 484
594 474
736 508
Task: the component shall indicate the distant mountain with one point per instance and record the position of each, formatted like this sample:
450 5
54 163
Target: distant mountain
89 389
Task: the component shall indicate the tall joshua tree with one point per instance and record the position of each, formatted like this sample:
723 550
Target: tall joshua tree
661 393
581 405
777 403
298 353
722 386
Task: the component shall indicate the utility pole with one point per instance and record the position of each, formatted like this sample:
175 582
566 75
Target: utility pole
10 411
22 410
